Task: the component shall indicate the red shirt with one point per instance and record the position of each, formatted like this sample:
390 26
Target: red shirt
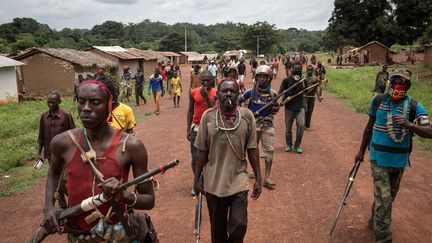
200 103
80 181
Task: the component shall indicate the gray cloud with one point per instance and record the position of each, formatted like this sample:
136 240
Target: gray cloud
58 14
117 1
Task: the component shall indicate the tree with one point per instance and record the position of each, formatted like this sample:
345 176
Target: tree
413 17
267 34
24 41
357 22
172 42
4 47
109 30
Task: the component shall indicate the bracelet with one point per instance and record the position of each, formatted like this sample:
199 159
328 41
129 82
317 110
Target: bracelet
135 200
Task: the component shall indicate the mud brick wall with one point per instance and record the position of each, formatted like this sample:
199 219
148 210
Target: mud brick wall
44 73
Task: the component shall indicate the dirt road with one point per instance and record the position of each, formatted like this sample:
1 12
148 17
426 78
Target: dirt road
309 186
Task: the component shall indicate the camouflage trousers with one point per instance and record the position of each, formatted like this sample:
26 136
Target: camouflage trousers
386 182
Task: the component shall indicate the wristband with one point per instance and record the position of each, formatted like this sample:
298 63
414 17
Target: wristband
135 200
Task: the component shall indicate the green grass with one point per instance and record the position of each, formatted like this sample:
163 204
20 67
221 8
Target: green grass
18 141
19 133
354 84
20 179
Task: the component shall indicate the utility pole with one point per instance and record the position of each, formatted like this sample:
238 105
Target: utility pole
257 36
185 40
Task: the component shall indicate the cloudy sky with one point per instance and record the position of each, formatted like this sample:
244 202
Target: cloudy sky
58 14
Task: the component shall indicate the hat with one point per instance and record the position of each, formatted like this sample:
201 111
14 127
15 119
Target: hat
401 72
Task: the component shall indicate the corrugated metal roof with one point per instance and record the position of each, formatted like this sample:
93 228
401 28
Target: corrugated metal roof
231 53
196 58
8 62
83 58
189 53
145 54
118 52
211 56
168 54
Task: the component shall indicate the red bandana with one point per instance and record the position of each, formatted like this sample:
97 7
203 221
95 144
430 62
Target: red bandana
103 87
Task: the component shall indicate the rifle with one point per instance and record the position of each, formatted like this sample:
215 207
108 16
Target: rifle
351 178
198 213
42 233
289 98
276 98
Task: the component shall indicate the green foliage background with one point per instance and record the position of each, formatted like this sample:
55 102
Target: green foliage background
23 33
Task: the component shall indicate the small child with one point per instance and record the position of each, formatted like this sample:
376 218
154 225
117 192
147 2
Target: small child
176 89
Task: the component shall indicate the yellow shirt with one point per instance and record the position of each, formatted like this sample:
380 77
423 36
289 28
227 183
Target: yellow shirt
123 117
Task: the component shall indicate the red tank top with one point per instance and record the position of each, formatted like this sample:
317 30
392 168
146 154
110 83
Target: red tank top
80 180
200 104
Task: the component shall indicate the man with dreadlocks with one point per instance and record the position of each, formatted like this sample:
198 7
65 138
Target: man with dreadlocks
114 158
226 133
259 96
393 119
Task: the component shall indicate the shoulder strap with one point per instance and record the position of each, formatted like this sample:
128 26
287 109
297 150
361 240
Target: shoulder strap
377 102
118 122
251 97
412 110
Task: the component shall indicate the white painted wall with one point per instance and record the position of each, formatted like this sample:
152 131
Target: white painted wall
8 84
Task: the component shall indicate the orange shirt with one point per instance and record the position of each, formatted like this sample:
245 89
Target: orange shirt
200 103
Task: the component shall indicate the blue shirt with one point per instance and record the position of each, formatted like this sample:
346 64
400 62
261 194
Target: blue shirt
258 101
155 84
383 150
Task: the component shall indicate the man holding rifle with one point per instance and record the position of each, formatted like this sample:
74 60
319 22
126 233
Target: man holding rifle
259 96
114 158
393 118
294 109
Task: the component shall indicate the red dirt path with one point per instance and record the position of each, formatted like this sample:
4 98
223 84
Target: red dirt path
309 186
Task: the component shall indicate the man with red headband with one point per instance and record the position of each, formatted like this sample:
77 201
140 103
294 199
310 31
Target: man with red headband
225 135
393 118
114 158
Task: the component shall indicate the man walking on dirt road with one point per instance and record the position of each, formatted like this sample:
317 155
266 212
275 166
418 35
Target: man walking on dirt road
393 118
259 96
200 99
226 133
294 109
157 88
114 158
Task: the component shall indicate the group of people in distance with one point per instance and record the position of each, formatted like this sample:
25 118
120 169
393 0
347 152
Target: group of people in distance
227 126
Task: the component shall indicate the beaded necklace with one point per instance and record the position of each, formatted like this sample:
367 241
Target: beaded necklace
223 128
390 126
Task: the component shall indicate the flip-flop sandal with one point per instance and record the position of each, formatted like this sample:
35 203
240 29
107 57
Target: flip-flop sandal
269 185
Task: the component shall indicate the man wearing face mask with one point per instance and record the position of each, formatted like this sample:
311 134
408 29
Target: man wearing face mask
226 134
200 99
294 109
393 118
259 96
310 95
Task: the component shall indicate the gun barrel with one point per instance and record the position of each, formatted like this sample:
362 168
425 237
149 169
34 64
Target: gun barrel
347 190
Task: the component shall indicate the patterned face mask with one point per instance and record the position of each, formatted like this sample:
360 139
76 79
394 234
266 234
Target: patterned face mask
398 92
